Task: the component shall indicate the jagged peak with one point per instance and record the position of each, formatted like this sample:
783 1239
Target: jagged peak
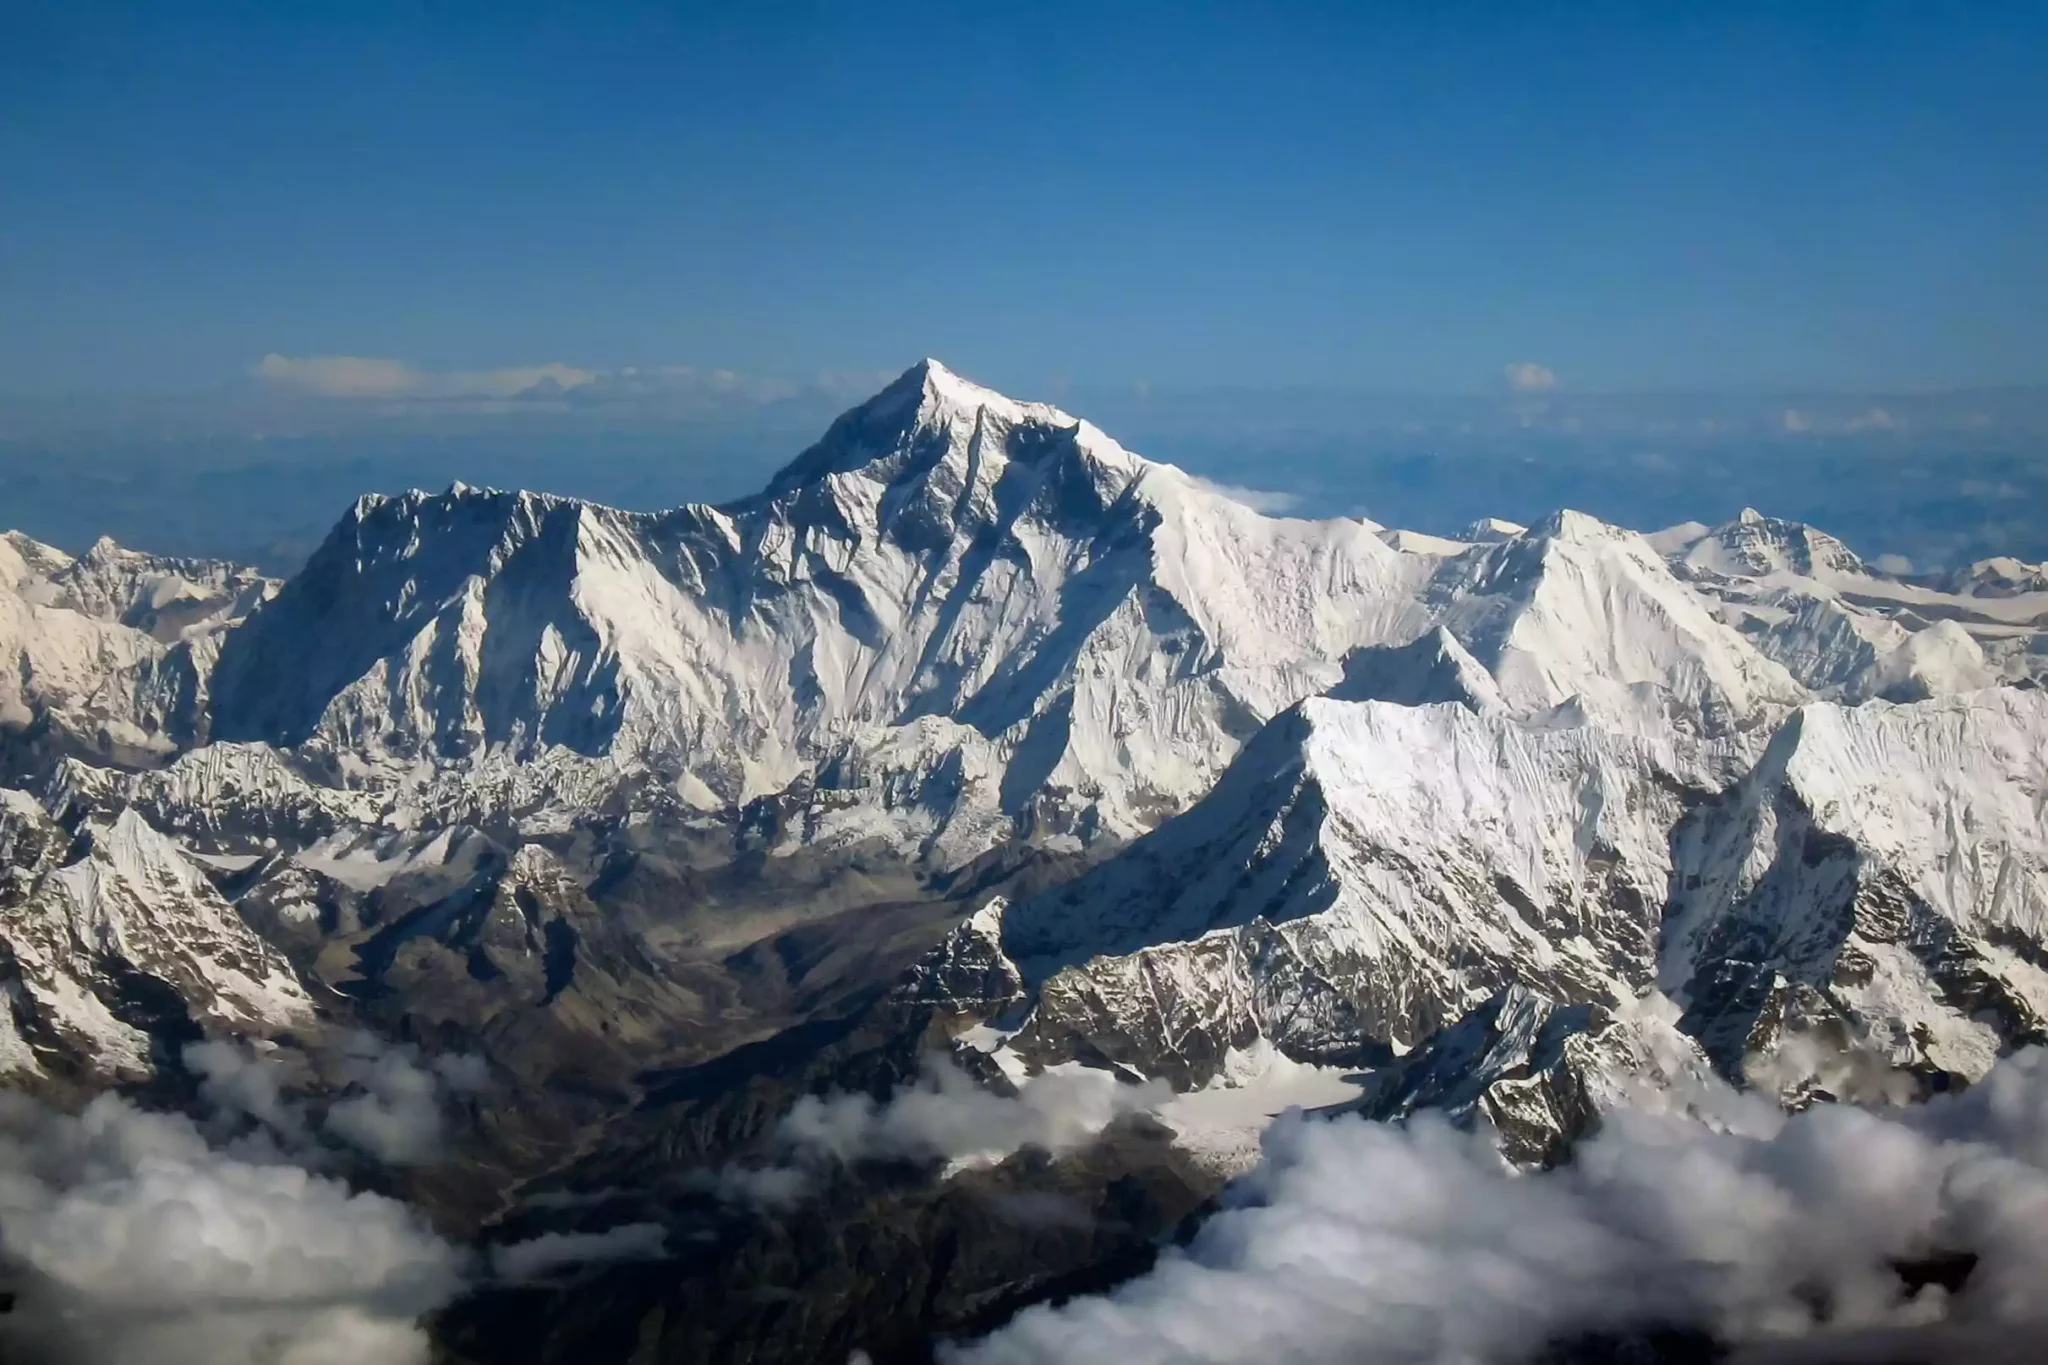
1576 528
927 402
39 558
1754 543
953 390
459 494
1491 528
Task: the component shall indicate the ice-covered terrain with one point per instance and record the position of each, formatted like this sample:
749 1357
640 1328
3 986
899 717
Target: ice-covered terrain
1852 631
1134 774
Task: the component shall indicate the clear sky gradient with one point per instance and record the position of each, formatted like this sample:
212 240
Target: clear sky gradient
1367 197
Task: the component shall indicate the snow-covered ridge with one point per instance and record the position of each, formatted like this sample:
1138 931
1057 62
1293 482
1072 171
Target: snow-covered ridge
1850 630
1367 876
1109 627
1377 780
112 650
1105 630
85 913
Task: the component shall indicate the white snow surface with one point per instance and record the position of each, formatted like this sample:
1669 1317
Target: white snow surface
1375 778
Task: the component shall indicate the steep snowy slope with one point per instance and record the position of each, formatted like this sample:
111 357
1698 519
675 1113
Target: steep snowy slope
1367 874
957 617
516 768
1111 627
1363 874
1850 631
1883 875
1539 1072
166 598
111 652
1576 613
113 941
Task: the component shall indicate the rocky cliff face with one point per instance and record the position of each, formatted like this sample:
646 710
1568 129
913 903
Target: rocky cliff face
976 730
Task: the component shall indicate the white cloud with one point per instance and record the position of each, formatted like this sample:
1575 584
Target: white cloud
350 376
1272 502
339 376
947 1114
540 1257
395 385
944 1115
1874 419
1403 1244
1795 421
395 1108
147 1243
392 1106
137 1236
1526 376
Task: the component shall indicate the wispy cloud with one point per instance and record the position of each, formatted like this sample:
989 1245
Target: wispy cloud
1526 376
388 384
1861 421
943 1116
549 1254
355 376
1274 502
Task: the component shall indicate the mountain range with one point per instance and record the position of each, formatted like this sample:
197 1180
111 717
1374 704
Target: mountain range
975 736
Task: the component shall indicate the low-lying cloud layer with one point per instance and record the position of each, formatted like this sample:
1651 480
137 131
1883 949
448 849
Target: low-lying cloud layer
355 376
392 1105
537 1258
1360 1242
131 1238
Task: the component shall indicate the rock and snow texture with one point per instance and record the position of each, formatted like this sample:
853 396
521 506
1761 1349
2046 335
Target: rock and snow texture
1108 628
1884 872
109 932
1392 795
984 618
112 650
1370 878
1850 631
1363 875
1539 1073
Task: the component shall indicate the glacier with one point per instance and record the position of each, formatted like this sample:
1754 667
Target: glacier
976 712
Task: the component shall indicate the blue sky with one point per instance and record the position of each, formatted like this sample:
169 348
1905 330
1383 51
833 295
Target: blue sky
1384 198
1421 261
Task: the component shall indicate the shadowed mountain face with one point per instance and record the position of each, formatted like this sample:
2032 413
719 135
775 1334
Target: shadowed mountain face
739 858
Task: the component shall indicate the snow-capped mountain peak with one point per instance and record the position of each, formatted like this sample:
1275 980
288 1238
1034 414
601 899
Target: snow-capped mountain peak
931 417
1754 546
1256 782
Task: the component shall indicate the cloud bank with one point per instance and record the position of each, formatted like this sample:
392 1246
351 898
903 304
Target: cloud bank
943 1116
393 1104
131 1238
1368 1243
552 1252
